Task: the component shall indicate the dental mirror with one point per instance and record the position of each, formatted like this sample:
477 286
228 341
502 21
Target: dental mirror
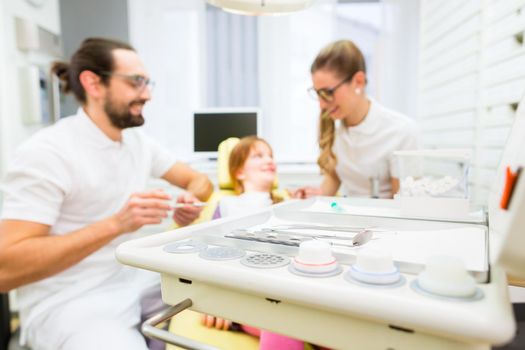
362 237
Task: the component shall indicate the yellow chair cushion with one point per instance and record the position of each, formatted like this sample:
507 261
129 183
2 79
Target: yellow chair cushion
211 205
223 157
187 324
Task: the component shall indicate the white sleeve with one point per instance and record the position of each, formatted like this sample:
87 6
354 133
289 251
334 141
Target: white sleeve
409 140
161 159
35 185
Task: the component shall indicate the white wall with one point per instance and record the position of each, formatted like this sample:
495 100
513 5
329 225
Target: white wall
81 19
398 52
169 36
287 47
12 129
471 77
3 89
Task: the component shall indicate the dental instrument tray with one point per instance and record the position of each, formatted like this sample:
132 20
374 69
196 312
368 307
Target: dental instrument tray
414 283
275 234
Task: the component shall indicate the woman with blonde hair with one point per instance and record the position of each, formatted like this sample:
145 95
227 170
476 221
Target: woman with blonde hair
357 135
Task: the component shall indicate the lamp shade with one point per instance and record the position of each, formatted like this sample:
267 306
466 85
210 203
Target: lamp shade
261 7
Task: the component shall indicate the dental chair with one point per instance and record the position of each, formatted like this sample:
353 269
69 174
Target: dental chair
187 323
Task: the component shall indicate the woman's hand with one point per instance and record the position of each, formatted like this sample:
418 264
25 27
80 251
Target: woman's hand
306 192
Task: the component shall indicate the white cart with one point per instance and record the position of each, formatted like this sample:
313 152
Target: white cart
336 311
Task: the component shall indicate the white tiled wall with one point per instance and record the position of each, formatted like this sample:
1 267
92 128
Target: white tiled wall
472 74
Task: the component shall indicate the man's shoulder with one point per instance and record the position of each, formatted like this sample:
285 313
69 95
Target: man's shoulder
56 136
63 125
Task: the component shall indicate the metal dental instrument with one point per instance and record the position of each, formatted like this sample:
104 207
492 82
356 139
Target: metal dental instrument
270 237
194 204
362 237
295 239
315 227
358 239
310 235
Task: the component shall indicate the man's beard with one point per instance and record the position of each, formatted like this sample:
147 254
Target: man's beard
121 117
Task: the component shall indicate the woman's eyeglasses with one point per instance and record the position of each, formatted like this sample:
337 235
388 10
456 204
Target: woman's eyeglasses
139 82
327 94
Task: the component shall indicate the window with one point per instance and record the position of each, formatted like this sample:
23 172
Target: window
232 78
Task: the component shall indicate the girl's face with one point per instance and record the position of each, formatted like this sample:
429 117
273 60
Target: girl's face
337 95
258 172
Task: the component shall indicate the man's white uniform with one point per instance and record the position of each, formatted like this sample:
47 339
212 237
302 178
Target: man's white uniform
68 176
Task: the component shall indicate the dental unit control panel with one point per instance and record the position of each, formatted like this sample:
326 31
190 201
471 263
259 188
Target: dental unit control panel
356 274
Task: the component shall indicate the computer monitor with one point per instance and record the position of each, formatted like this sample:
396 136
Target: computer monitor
211 126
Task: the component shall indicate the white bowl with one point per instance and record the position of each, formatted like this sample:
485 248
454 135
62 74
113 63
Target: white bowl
315 256
447 276
375 266
374 260
315 252
382 278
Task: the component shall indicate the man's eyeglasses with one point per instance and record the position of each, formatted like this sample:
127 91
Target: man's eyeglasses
139 82
327 94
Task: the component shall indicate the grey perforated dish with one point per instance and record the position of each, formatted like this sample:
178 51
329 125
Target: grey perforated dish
183 247
222 253
265 260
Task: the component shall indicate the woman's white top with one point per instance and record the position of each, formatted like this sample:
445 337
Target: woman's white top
365 152
244 203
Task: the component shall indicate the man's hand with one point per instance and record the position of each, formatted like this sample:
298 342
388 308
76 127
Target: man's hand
305 192
186 214
142 208
29 253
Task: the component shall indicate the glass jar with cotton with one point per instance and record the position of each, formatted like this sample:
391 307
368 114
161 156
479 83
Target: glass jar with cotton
434 183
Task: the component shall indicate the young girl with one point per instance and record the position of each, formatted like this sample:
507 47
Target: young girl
252 170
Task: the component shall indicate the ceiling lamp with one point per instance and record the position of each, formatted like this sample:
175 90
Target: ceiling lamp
261 7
